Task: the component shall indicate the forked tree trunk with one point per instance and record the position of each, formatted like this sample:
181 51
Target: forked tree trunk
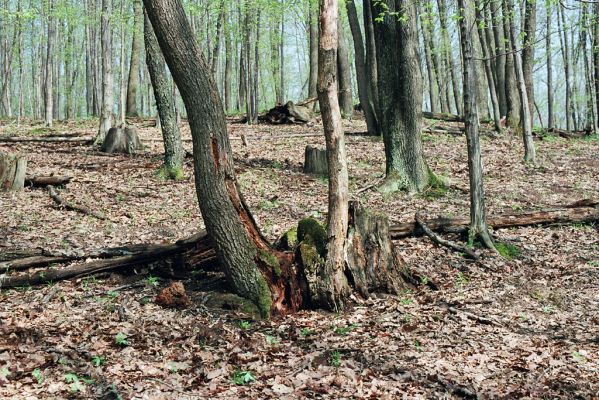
12 172
478 224
165 103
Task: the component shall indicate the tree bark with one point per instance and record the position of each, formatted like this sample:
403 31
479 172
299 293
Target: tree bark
511 82
49 84
346 103
106 119
136 45
371 57
400 91
361 73
550 112
528 50
313 36
478 224
430 71
496 21
449 56
12 172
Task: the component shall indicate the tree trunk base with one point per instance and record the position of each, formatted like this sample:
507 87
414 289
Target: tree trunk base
315 161
12 172
121 140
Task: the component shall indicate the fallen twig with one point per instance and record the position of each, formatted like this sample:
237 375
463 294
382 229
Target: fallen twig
74 207
443 242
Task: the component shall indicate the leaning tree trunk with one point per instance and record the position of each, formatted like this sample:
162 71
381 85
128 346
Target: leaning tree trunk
12 172
400 96
478 224
107 78
253 268
133 81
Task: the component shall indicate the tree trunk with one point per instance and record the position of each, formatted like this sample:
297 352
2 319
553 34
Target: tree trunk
315 161
529 146
346 102
228 65
12 172
501 50
511 83
218 40
550 112
136 45
361 73
107 78
430 71
371 58
448 55
596 56
528 50
400 91
561 22
478 224
313 36
49 84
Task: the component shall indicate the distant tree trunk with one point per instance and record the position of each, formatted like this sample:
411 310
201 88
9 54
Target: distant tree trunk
89 69
500 50
20 44
228 65
400 91
529 147
371 57
107 78
565 48
283 93
165 103
487 62
136 45
344 73
430 71
123 85
275 33
448 55
528 50
511 85
478 223
217 42
550 112
361 74
313 36
596 56
49 85
429 37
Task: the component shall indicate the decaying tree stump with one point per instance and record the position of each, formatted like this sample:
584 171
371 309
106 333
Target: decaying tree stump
12 172
315 161
121 140
287 113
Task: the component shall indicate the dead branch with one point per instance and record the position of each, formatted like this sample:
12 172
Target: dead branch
74 207
46 139
443 242
43 181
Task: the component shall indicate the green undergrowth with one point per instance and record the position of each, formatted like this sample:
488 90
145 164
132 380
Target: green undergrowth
167 173
507 251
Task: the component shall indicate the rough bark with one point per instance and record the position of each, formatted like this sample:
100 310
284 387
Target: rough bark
371 57
478 224
500 49
136 46
165 102
313 36
49 84
528 50
549 57
12 172
400 91
511 83
121 140
361 72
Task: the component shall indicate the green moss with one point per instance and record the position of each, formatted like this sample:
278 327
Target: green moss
288 240
309 256
508 251
167 173
270 260
310 231
437 181
264 300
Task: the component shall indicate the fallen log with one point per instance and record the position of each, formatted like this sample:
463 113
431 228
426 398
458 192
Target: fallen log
442 116
43 181
566 134
74 207
569 214
50 139
455 130
170 254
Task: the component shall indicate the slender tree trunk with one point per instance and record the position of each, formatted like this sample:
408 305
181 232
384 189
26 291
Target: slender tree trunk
334 290
595 43
361 73
371 57
478 223
20 106
529 147
400 91
49 85
511 82
528 51
427 29
448 55
430 71
313 36
282 56
344 70
218 40
550 112
123 86
137 43
500 50
228 65
165 103
565 48
275 37
106 120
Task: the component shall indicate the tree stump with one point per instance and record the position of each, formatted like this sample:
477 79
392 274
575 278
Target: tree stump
315 161
12 172
373 265
121 140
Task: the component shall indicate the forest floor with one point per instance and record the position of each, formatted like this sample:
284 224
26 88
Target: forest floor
518 327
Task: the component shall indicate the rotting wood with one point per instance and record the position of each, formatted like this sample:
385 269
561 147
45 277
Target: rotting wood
12 172
43 181
444 242
74 207
584 211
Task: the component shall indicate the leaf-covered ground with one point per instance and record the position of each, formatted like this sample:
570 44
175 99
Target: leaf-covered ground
524 327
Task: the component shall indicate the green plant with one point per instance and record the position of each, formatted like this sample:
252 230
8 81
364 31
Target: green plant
594 263
153 281
245 325
462 279
4 372
37 375
507 251
406 302
121 339
335 358
548 309
345 329
167 173
76 382
243 377
306 332
271 340
98 361
418 345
